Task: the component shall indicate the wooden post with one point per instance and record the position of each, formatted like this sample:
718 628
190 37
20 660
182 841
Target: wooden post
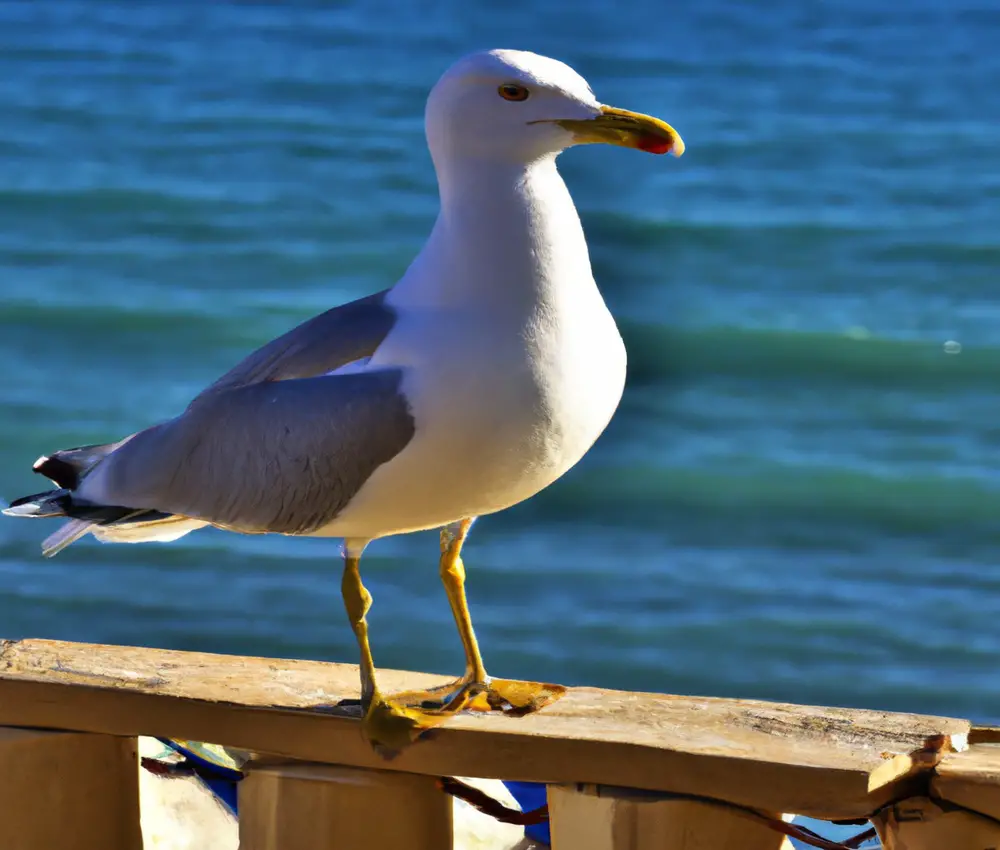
970 780
586 819
920 823
303 806
68 790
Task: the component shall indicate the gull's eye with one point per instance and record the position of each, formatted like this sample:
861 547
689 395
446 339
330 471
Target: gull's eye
512 91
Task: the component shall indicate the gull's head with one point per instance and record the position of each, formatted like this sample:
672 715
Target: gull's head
517 106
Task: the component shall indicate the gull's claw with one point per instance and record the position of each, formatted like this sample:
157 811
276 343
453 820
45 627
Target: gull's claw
393 723
391 726
516 698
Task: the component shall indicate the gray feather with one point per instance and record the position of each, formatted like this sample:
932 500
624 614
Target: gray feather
249 453
283 456
320 345
68 533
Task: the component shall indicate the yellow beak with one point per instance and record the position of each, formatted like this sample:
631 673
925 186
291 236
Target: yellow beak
628 129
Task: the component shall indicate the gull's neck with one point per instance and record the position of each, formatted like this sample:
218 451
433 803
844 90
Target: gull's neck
508 236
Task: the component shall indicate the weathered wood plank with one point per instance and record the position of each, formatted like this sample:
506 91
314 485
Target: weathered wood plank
971 779
581 819
68 791
300 806
769 756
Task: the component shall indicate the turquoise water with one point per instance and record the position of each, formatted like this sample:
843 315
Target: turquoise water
799 497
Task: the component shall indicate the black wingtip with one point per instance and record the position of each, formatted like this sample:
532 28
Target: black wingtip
58 472
49 504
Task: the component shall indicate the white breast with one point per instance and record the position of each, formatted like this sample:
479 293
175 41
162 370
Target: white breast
512 364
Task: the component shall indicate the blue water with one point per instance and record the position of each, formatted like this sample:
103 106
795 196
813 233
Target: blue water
799 496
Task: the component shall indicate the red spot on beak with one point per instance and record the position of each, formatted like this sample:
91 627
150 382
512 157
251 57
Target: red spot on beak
655 144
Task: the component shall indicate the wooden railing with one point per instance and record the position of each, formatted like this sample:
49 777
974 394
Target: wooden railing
626 771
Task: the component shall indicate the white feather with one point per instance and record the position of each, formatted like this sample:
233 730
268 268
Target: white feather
162 531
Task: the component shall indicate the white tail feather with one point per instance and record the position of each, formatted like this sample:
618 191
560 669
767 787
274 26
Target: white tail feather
162 531
68 533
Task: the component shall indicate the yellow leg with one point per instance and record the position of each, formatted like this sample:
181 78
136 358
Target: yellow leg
389 724
392 723
357 601
461 693
453 579
476 691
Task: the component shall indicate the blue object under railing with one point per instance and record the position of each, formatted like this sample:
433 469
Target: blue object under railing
221 779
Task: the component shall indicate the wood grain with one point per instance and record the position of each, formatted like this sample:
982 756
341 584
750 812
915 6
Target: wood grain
581 820
771 756
971 779
68 791
921 823
301 806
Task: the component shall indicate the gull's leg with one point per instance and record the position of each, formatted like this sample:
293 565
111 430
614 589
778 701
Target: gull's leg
357 601
453 578
476 690
460 693
389 724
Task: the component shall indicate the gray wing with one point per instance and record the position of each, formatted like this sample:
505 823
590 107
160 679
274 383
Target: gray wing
283 456
320 345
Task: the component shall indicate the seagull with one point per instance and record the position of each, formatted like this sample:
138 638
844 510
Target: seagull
483 375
